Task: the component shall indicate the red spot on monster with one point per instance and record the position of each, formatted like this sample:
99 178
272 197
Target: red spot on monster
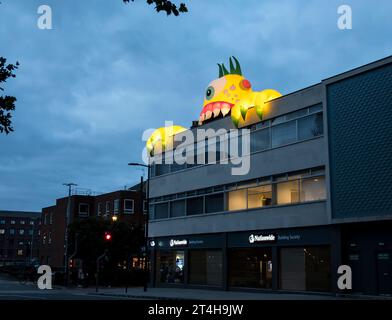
245 84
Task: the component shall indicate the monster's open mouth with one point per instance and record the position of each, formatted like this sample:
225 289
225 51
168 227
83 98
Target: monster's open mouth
214 109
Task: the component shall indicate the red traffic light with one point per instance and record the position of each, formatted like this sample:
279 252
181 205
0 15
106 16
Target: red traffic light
108 236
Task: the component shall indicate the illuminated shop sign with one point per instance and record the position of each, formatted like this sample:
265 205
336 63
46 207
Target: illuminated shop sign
175 243
254 238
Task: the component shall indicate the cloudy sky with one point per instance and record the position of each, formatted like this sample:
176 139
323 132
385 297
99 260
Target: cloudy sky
88 88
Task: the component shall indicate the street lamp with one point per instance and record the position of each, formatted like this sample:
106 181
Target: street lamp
135 164
67 220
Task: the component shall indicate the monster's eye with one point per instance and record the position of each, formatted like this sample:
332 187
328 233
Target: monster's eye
245 84
210 92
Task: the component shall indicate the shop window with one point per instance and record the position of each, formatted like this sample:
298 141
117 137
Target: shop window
284 133
250 267
305 269
205 267
237 200
259 196
170 267
287 192
313 189
161 211
310 127
214 203
195 206
260 140
177 208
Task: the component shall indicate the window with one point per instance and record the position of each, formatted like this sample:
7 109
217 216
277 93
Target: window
128 205
260 196
51 217
170 266
237 200
116 205
284 133
13 222
31 232
99 213
161 210
83 209
45 218
145 206
2 221
260 140
313 189
205 267
214 203
177 208
21 232
49 238
20 252
107 207
31 222
195 206
2 231
12 231
288 192
310 127
22 222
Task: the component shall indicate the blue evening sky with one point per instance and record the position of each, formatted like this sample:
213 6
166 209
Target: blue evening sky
107 71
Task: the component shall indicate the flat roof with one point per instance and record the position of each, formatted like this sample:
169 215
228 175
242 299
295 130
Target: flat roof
20 214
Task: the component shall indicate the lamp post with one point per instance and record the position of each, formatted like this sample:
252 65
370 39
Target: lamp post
135 164
67 220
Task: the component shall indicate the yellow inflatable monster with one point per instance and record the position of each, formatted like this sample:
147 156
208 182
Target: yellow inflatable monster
232 93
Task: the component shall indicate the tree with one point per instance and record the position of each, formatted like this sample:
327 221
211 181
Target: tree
167 6
7 103
126 241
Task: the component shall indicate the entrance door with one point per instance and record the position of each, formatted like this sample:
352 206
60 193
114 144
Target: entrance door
384 272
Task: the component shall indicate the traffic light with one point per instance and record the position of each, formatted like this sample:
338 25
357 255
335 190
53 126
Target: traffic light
108 236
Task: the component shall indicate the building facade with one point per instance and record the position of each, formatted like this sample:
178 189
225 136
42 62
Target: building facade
19 237
315 197
124 205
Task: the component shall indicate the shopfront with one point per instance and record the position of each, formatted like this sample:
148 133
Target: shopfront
291 260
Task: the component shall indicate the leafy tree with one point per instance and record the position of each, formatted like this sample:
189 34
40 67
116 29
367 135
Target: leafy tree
167 6
7 103
126 241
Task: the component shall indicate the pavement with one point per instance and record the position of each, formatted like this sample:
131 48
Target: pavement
12 289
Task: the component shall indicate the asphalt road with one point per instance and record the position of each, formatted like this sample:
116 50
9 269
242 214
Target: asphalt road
11 289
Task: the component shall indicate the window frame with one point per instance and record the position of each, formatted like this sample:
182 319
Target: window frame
129 211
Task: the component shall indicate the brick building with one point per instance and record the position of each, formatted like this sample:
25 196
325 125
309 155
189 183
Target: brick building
125 205
19 237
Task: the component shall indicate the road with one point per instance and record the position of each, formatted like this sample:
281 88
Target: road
11 289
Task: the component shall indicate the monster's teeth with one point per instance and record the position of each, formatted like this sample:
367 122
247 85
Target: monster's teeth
201 118
225 110
216 112
208 115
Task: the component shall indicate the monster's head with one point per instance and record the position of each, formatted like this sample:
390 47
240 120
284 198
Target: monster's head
232 93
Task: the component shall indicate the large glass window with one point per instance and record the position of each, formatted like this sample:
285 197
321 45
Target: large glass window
313 189
214 203
259 196
177 208
260 140
310 127
161 210
170 266
287 192
195 206
284 133
205 267
237 200
250 267
305 268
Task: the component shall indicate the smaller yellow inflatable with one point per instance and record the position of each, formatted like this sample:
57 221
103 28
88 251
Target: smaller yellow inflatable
162 137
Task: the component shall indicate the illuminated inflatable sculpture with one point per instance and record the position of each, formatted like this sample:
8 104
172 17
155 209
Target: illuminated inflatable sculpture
232 93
